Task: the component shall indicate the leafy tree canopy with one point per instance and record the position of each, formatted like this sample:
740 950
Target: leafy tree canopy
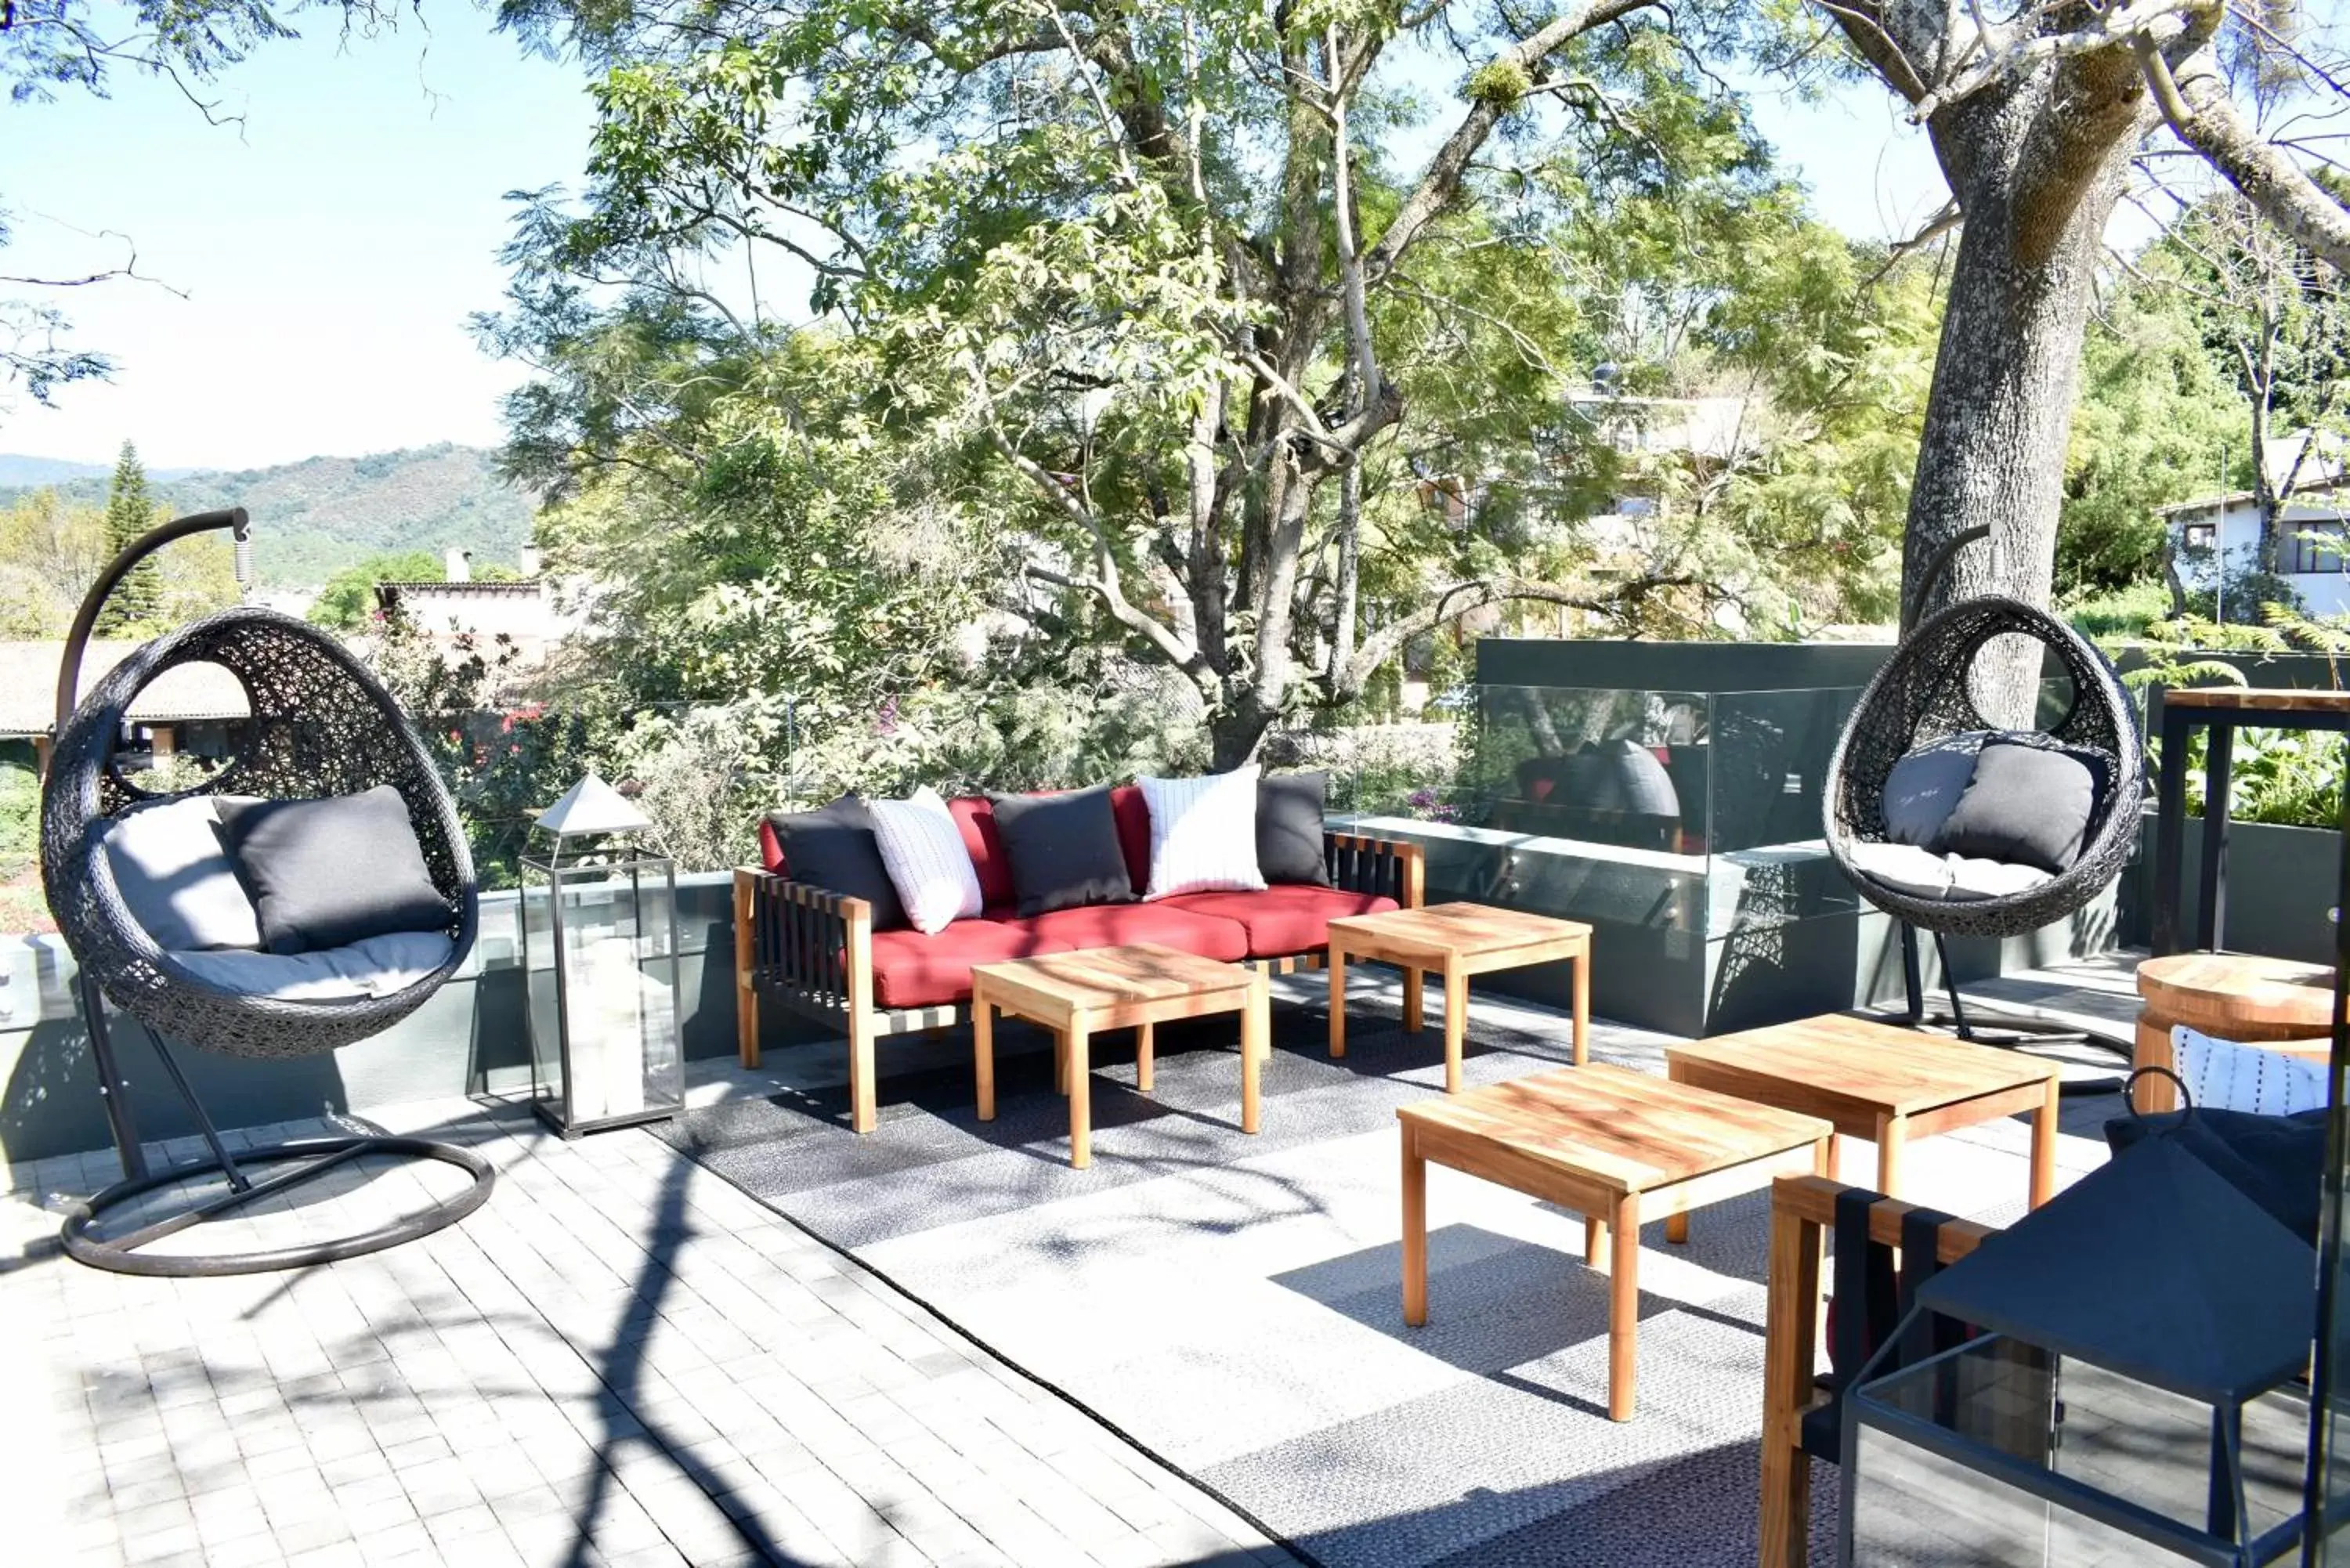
348 601
1169 333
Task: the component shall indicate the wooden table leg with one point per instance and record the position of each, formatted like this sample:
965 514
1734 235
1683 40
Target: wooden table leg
1256 1044
1676 1228
1594 1240
2044 1145
1455 1024
1583 1006
1415 1232
1415 1009
1338 999
983 1052
1891 1132
1143 1053
1081 1109
1061 1061
1623 1306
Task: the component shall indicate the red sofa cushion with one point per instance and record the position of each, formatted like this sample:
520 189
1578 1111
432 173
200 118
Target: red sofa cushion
1116 925
770 848
910 969
976 814
1132 810
1287 917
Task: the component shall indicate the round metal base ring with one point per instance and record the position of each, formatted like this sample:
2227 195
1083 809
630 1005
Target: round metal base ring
121 1256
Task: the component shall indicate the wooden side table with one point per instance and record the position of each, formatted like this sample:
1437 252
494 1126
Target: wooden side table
1456 940
2271 1002
1874 1081
1615 1145
1137 987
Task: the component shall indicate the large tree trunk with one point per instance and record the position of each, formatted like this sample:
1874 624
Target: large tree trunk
2036 164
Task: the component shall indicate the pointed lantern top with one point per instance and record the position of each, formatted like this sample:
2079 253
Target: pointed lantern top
2152 1266
591 806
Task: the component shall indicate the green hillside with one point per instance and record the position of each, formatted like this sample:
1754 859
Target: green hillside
314 517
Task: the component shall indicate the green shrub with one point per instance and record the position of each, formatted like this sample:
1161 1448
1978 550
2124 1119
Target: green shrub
2119 612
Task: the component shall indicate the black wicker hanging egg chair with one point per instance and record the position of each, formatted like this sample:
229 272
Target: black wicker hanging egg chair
319 726
1923 697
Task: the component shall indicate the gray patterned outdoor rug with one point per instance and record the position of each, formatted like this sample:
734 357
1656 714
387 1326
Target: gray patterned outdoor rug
1231 1303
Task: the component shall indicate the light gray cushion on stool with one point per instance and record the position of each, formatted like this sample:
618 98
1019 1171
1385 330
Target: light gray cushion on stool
176 879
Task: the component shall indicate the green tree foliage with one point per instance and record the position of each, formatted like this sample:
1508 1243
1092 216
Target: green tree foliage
135 607
1151 333
348 601
2158 422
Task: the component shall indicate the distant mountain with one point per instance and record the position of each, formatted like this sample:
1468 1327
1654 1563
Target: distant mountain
312 518
17 469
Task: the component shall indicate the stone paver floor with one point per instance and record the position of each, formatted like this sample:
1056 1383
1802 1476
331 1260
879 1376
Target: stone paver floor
618 1360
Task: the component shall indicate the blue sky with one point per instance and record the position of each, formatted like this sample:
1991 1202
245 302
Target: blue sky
332 246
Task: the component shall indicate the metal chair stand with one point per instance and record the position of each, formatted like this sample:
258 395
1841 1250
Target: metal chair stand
121 1254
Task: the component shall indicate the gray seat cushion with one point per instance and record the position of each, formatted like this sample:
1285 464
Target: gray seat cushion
175 877
1924 787
1922 874
376 966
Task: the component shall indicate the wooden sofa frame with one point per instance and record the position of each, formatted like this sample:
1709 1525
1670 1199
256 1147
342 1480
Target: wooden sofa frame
1802 1211
811 951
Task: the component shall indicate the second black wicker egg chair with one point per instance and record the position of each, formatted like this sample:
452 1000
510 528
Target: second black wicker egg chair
320 725
1924 694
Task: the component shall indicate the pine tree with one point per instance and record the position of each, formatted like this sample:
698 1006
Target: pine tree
135 607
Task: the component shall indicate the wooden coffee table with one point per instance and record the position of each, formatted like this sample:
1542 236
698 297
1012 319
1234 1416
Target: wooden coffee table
1877 1082
1456 940
1615 1145
1137 987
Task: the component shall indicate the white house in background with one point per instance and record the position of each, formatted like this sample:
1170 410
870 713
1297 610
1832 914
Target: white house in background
2213 528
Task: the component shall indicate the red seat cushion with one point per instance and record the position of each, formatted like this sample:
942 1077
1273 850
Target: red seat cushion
976 814
1287 917
770 848
910 969
1116 925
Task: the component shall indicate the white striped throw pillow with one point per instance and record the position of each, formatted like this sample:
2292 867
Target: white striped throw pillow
922 850
1202 834
2222 1076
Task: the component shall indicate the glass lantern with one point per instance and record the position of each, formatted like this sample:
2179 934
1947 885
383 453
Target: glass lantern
2134 1397
599 961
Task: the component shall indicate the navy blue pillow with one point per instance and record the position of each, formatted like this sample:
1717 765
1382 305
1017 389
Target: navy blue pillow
1064 850
833 847
328 873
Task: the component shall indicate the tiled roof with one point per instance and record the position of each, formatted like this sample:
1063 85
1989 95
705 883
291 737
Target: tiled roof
28 686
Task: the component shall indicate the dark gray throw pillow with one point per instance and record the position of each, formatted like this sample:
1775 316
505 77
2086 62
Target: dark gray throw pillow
2027 805
1924 788
833 847
328 873
1289 824
1064 850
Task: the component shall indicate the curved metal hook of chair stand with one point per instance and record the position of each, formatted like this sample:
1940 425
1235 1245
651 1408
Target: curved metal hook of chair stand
137 550
1915 610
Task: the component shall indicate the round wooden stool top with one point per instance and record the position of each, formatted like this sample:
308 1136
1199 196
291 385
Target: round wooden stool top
2238 996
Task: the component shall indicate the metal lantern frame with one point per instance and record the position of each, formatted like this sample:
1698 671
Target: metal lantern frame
2044 1293
570 864
2224 1543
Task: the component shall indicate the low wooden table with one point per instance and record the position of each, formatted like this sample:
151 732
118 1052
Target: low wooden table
1877 1082
2275 1003
1456 940
1137 987
1614 1146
